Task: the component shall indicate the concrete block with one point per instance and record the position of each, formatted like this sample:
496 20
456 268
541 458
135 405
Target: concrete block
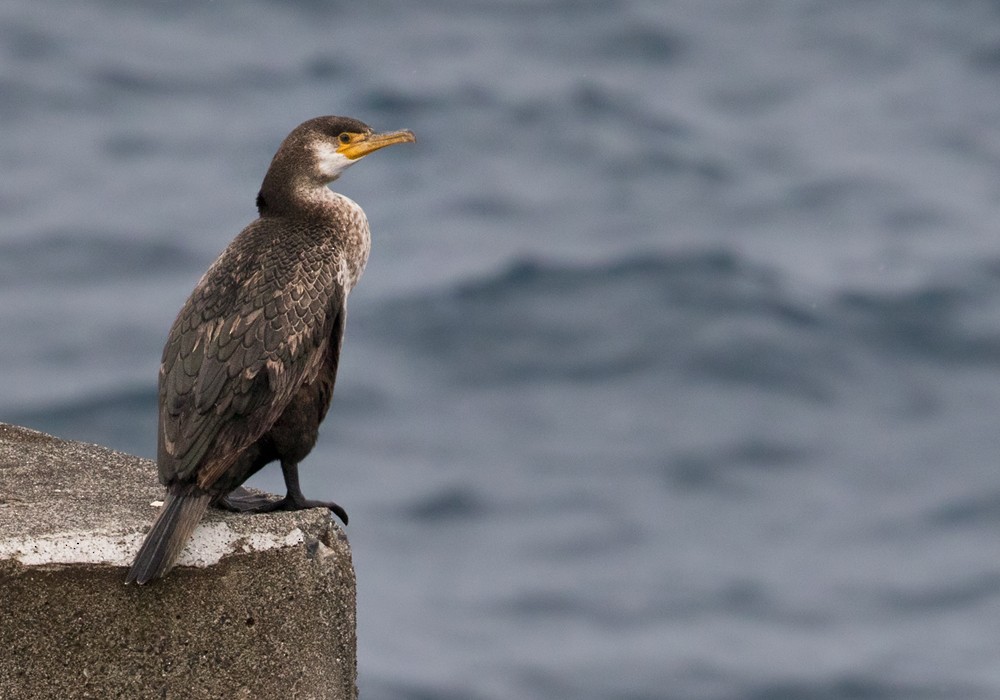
259 606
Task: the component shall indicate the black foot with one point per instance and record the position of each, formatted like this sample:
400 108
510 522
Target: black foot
242 501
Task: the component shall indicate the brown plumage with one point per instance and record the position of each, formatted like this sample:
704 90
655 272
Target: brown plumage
249 366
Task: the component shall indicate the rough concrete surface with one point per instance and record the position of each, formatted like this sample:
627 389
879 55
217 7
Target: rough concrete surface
260 606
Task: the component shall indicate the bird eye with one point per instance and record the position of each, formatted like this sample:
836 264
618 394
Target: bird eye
345 137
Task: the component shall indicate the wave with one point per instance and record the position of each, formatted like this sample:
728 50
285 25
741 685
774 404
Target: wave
979 510
82 256
450 504
705 682
122 419
850 687
710 314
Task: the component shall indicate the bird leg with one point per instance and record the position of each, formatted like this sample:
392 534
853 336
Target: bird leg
294 500
242 501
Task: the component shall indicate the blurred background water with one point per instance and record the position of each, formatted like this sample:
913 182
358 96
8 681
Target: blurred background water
674 371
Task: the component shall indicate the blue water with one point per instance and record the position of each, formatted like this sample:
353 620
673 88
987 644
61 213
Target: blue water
675 372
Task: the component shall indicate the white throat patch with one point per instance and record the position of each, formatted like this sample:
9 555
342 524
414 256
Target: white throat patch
331 163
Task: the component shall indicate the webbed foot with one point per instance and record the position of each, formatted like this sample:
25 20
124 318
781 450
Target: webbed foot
241 500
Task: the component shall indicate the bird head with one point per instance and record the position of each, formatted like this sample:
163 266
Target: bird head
339 142
315 154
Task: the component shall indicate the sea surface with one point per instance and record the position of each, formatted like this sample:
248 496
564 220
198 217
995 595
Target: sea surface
675 371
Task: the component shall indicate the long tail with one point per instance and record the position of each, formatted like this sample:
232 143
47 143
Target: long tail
181 512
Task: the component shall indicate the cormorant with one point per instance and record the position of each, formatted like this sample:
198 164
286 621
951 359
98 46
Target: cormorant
249 366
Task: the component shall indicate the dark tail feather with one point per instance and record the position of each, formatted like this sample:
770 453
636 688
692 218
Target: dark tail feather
181 512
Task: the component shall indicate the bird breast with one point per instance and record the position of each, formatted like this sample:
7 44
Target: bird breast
357 242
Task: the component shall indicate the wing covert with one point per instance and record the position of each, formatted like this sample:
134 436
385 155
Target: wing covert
233 360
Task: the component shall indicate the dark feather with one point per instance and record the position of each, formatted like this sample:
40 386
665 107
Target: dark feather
181 511
282 321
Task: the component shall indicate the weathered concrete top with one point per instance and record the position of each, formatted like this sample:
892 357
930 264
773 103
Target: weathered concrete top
67 502
259 606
